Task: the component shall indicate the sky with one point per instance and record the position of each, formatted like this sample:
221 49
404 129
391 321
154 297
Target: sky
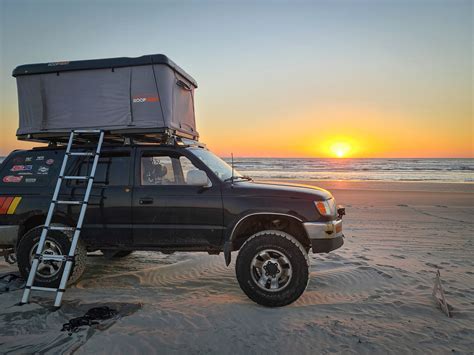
277 78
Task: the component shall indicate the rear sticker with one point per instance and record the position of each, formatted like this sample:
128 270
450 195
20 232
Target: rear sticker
40 157
5 203
25 173
17 160
28 159
49 161
14 205
43 170
21 167
30 180
12 179
8 205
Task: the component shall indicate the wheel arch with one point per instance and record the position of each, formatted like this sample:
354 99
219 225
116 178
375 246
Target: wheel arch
38 219
255 222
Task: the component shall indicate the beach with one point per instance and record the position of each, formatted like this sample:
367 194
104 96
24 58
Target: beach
373 295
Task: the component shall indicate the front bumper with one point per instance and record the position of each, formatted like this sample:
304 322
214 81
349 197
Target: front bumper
8 236
325 236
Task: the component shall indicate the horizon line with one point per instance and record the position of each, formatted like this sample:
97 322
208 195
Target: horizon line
336 158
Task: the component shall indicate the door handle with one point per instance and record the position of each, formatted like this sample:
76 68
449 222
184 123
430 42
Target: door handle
145 201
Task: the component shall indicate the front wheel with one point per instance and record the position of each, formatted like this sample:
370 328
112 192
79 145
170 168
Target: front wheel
49 272
272 268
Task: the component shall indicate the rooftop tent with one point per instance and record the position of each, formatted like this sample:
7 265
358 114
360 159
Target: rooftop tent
120 95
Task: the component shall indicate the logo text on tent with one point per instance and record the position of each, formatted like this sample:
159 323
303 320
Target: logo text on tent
144 99
55 64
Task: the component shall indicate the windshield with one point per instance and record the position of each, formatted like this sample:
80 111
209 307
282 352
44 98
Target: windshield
219 167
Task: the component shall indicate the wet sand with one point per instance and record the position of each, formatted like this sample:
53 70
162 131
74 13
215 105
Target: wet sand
371 296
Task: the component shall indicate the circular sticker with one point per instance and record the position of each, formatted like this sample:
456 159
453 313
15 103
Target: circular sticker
49 161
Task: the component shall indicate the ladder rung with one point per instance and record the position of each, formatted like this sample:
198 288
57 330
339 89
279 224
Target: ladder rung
61 228
47 257
38 288
70 177
90 154
86 131
67 202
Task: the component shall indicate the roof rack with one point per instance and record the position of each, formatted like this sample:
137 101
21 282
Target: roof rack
132 137
156 136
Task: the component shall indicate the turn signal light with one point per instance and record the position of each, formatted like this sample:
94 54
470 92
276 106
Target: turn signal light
326 208
321 206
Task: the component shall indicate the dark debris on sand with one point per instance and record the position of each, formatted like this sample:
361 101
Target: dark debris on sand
92 317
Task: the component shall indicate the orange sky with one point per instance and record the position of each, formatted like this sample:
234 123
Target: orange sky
366 132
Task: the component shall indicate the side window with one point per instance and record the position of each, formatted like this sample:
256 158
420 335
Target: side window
112 170
157 170
186 167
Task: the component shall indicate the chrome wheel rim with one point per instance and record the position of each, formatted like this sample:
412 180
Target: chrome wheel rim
48 268
271 270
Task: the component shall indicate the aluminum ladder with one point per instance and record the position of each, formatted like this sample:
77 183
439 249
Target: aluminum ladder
69 259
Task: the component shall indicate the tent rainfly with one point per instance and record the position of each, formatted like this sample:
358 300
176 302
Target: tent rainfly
120 95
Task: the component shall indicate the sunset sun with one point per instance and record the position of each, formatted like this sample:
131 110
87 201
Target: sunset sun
340 149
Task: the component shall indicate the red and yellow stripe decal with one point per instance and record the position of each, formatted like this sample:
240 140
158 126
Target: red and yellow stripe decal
9 204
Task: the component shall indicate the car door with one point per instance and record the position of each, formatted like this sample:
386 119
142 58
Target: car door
167 211
108 217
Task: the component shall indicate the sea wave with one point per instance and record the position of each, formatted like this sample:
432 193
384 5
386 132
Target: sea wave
436 170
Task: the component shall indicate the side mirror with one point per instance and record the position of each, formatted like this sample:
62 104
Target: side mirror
197 178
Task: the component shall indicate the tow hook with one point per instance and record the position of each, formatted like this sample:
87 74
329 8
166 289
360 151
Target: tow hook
341 211
9 255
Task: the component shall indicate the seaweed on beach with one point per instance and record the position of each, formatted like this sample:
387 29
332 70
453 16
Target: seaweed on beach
92 317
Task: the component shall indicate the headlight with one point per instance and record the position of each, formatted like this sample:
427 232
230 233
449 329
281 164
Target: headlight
326 208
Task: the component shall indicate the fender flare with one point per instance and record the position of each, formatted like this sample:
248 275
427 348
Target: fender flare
228 245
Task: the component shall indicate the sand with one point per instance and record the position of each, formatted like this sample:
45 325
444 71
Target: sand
371 296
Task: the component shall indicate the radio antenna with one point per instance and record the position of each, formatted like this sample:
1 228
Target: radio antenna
232 163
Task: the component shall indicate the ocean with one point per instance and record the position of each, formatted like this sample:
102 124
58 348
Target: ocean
430 170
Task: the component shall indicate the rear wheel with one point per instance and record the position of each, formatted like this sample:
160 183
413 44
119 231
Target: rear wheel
49 272
272 268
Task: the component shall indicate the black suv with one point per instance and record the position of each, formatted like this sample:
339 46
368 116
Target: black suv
168 198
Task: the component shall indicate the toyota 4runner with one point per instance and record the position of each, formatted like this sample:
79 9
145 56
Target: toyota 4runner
168 198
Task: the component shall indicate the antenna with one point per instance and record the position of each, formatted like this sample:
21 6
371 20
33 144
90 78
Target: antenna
232 163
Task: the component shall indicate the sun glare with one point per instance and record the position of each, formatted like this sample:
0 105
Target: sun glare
340 149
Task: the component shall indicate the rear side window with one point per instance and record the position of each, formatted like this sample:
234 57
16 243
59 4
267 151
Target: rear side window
157 170
112 169
31 168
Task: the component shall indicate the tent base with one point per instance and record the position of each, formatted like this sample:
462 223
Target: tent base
113 136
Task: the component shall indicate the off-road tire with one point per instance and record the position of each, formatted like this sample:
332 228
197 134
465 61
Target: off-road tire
63 240
291 249
116 254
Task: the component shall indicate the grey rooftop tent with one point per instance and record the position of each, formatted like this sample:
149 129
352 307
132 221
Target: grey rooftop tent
148 94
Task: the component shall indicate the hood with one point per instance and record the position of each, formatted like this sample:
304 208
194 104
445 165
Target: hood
286 190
